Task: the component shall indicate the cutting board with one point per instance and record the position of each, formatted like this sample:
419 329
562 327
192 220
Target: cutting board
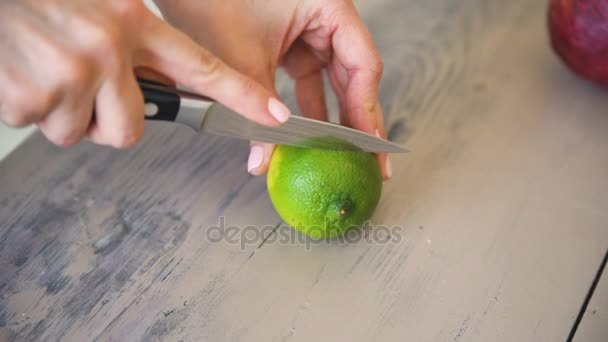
493 227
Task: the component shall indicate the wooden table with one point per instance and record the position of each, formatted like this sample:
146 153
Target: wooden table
498 216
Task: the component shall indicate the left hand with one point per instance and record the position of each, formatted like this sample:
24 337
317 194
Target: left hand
304 37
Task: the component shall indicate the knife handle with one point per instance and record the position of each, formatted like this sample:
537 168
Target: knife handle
164 103
159 104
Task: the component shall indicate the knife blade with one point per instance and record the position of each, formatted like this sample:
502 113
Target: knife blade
164 103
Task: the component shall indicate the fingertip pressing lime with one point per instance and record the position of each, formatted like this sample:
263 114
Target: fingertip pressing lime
323 193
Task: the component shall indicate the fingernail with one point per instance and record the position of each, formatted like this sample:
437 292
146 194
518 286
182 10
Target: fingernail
378 133
256 157
278 110
389 167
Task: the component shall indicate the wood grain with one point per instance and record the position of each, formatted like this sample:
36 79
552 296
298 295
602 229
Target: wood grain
491 229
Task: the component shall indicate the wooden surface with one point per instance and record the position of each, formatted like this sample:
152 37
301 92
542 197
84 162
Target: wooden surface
500 210
593 327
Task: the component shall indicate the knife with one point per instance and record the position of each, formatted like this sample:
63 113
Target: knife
165 103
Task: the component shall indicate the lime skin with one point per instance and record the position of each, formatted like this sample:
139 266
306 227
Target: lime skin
323 193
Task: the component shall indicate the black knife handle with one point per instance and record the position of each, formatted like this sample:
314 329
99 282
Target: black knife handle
159 104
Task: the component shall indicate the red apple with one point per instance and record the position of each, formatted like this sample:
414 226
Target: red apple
579 35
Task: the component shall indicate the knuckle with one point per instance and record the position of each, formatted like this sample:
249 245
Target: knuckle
67 140
125 140
129 9
249 87
44 102
209 66
28 109
61 133
76 72
103 41
64 138
126 137
14 120
106 43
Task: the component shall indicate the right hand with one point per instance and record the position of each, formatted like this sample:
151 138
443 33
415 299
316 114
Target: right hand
63 60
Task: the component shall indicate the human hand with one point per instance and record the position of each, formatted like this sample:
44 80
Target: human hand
305 37
62 60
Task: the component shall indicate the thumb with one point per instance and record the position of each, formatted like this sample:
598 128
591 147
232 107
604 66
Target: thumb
175 55
260 153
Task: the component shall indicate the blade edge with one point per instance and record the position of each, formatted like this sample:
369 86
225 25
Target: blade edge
297 131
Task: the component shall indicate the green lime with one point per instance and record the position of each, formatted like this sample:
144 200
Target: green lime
323 193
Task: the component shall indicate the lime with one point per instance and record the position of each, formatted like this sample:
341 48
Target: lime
323 193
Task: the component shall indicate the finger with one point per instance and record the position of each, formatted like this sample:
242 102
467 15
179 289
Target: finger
68 122
311 96
383 158
25 99
18 108
345 119
174 54
300 60
259 157
260 153
378 121
306 69
357 68
67 125
119 108
355 75
332 74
